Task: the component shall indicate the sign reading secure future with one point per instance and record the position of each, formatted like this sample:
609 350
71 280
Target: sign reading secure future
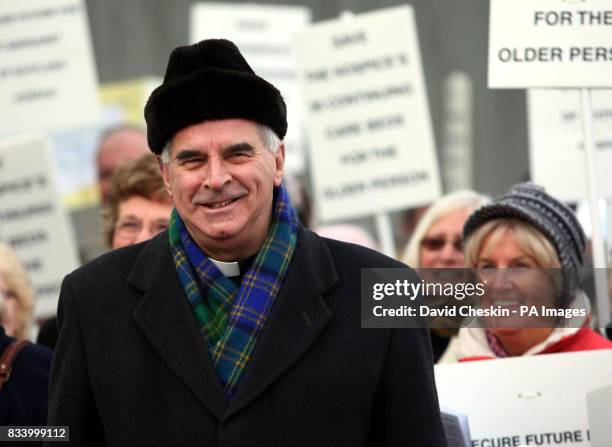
32 221
550 43
367 116
556 146
47 72
263 34
526 401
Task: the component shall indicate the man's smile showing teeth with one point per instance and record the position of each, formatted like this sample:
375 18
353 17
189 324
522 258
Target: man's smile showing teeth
221 204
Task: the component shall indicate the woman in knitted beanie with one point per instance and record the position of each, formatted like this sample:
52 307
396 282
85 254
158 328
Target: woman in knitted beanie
527 247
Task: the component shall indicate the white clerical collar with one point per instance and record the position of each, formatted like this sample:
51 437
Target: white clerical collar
229 269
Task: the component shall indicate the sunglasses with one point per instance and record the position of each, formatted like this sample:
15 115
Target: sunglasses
438 243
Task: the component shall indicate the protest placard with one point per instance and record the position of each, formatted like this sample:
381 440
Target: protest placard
47 69
32 220
556 143
550 43
368 122
525 401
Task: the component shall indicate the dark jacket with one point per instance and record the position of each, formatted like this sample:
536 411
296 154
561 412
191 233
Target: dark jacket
131 368
23 399
47 335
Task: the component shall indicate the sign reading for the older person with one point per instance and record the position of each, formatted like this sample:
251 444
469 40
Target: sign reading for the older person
263 35
368 121
47 69
550 43
526 401
32 220
556 148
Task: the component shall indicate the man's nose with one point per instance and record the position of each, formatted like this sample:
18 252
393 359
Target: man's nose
217 175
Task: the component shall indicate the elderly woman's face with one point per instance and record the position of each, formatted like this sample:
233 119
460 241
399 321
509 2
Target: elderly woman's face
441 247
140 219
10 314
513 278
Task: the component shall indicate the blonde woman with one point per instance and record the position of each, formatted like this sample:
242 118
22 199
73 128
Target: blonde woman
528 247
16 295
23 396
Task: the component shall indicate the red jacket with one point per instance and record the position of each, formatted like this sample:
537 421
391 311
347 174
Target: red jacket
585 339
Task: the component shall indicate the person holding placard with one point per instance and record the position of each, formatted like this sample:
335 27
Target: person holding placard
527 248
237 326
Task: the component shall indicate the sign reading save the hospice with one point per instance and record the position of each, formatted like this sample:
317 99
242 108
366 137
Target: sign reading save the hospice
47 74
32 220
263 35
371 142
550 43
556 147
526 401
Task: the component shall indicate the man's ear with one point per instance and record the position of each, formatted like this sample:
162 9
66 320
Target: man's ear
164 168
279 159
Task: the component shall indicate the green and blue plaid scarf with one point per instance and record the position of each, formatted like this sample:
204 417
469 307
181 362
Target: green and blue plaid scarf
231 318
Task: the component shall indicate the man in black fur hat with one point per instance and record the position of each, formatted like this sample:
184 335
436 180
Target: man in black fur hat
237 326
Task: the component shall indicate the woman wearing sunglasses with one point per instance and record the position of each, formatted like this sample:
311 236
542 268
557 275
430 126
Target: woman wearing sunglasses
436 244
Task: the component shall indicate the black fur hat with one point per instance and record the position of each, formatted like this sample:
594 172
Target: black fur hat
210 80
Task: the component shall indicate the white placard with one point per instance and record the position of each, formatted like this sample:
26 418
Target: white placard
556 152
47 72
599 403
32 220
526 401
550 43
368 122
263 35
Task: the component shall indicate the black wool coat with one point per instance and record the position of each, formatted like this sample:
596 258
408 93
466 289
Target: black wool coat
131 368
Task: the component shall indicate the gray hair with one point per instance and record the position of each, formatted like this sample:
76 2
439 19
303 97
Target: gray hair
269 138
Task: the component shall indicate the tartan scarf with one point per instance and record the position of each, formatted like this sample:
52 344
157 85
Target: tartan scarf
231 318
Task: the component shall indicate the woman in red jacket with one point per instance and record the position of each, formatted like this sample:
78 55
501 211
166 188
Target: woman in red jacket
527 248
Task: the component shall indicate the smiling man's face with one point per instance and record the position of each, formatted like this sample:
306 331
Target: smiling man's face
221 178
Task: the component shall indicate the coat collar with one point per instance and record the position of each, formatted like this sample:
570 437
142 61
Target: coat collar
297 319
166 318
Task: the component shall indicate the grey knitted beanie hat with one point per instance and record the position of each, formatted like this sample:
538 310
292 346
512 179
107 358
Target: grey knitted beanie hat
530 203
